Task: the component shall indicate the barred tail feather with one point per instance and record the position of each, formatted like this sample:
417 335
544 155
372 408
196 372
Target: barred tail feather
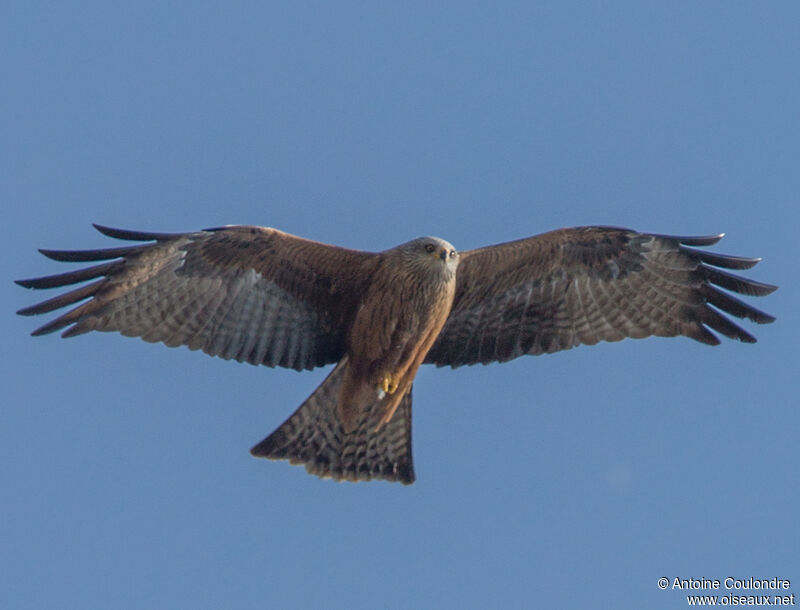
314 436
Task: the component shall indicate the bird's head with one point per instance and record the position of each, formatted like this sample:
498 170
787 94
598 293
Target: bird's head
431 254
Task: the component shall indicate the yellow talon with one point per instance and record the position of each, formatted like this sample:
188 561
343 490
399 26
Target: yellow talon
388 384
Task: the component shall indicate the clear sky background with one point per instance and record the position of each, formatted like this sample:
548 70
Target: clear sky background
572 480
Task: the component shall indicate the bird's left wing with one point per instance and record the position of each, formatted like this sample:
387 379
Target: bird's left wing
587 284
253 294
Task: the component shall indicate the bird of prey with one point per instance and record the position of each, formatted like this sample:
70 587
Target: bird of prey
263 296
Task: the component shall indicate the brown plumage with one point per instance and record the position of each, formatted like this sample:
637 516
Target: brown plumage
262 296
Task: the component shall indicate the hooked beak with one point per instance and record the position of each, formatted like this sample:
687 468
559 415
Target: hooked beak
443 254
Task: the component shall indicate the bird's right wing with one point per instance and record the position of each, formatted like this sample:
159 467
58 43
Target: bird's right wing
252 294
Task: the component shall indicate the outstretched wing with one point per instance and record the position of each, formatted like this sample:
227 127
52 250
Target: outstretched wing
583 285
249 293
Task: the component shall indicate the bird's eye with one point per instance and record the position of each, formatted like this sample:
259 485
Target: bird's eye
452 253
429 248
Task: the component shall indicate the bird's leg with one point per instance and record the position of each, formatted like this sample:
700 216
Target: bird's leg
397 387
388 383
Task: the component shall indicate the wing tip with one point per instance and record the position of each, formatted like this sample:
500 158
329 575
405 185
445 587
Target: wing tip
768 289
26 311
26 283
55 255
700 240
765 318
48 328
128 235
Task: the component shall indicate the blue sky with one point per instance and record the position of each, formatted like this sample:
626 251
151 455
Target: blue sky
572 480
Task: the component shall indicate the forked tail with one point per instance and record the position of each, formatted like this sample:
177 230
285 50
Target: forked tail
314 436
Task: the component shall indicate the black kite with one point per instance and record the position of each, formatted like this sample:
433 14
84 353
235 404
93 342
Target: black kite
262 296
